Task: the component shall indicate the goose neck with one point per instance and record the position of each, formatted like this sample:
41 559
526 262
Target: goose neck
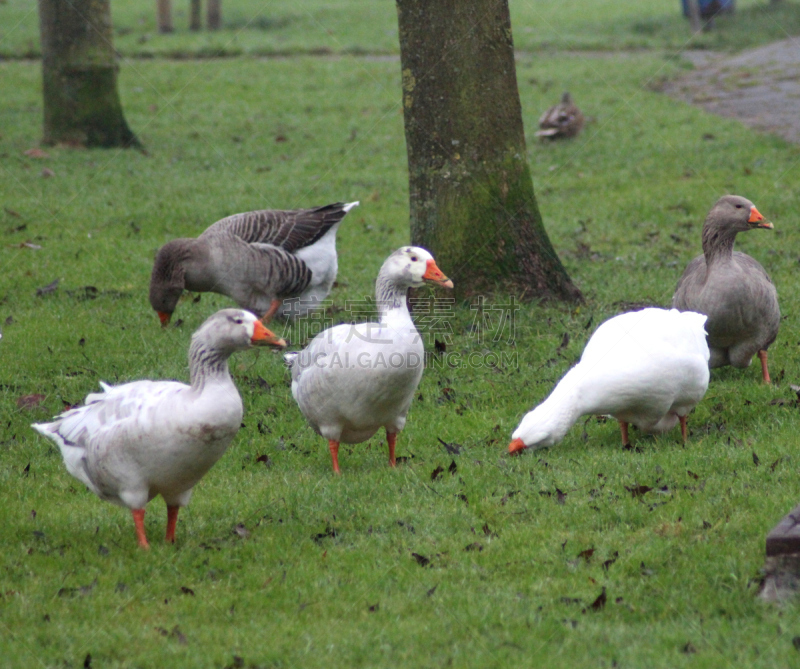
718 243
207 364
563 407
391 298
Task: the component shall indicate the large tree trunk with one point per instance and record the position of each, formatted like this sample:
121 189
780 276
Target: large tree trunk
214 14
164 14
195 21
81 102
472 200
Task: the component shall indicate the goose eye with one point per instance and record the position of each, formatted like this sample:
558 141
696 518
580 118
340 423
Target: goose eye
738 206
414 258
238 321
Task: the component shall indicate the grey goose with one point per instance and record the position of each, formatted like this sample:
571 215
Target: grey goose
731 288
268 262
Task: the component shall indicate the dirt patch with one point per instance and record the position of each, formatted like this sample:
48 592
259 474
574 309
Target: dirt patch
760 87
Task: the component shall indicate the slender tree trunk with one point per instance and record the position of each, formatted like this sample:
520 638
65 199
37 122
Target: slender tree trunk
471 194
214 14
81 102
164 14
195 20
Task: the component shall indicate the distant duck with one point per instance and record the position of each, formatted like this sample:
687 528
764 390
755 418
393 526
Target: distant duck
648 368
352 380
132 442
268 261
731 288
561 120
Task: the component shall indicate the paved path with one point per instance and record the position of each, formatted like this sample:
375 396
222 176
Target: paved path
760 87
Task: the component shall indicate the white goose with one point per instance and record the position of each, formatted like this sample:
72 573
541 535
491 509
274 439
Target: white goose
648 367
147 438
352 380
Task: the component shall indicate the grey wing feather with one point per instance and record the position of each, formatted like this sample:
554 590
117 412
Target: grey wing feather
288 229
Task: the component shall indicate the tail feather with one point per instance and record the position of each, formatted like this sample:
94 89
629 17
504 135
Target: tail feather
73 454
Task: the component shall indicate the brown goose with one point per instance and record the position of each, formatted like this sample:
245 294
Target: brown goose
266 261
561 120
731 288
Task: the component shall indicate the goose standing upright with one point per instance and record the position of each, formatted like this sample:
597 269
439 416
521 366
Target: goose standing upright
267 261
731 288
132 442
354 379
648 367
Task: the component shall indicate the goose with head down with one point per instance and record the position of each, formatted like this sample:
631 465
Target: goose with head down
731 288
270 262
354 379
648 368
133 442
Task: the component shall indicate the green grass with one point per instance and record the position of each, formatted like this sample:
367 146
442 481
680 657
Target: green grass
623 204
370 26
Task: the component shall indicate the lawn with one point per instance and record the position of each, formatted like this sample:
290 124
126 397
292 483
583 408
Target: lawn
283 27
280 564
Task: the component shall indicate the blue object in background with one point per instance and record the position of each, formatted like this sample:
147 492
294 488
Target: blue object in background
709 8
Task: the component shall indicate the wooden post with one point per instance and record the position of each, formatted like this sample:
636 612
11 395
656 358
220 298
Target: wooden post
195 20
164 14
782 579
214 14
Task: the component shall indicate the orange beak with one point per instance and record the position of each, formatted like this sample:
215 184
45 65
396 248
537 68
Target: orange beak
435 275
516 446
756 217
264 337
164 317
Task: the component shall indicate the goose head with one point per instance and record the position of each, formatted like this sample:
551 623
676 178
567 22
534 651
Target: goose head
736 213
232 330
168 278
412 267
538 428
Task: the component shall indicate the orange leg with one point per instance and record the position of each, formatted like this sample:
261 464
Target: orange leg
138 520
273 308
391 438
334 446
762 355
623 426
172 521
684 431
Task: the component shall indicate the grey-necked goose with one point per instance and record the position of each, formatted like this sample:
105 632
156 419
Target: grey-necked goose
561 120
648 368
354 379
132 442
731 288
268 261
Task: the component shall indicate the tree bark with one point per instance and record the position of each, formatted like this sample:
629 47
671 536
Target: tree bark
79 68
195 21
164 14
214 14
471 194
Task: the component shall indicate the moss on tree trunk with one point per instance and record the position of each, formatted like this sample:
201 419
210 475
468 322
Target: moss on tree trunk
471 193
81 102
